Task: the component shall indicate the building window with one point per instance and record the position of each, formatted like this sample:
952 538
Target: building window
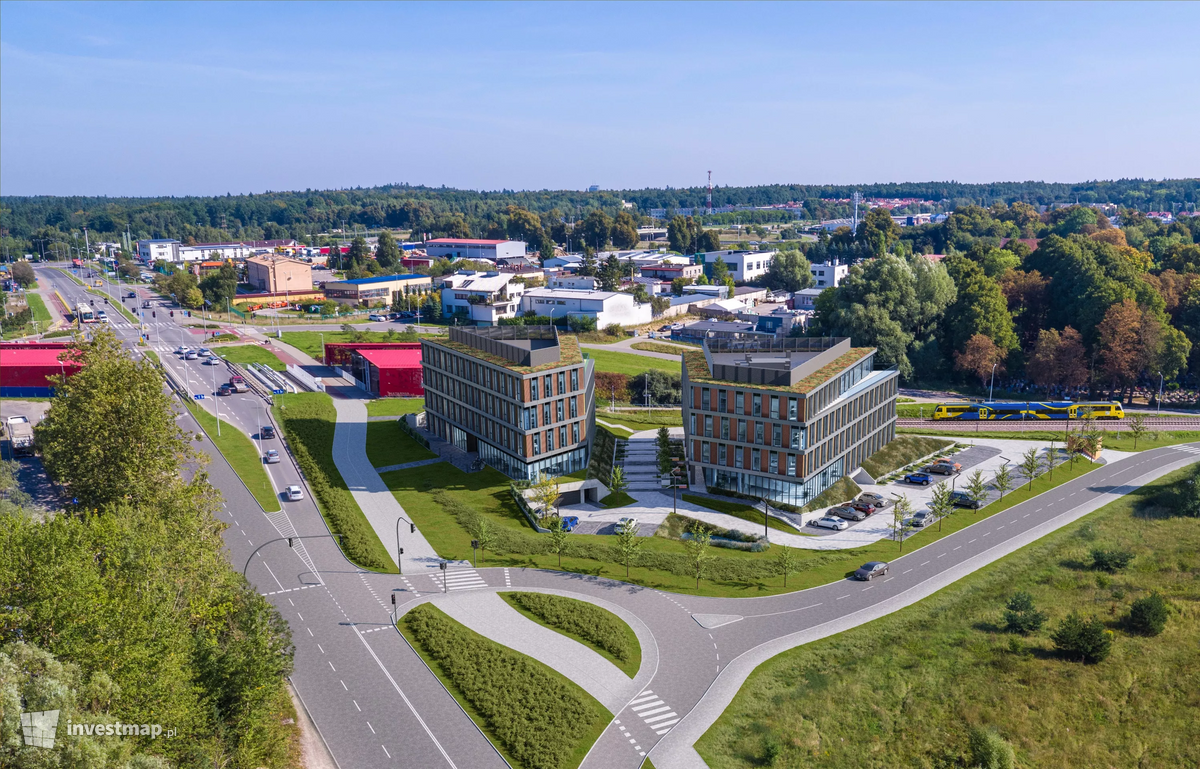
792 409
545 413
791 465
774 407
739 400
693 430
574 379
758 432
741 431
547 386
725 428
574 407
549 440
537 445
776 435
704 452
720 453
757 405
575 433
738 454
562 436
773 463
533 389
755 459
560 411
705 400
707 426
797 438
562 382
724 402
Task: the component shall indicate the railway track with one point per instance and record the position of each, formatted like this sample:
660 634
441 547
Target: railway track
1004 425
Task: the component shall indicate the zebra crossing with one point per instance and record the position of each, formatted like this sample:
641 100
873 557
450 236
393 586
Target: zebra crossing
461 579
654 712
1189 449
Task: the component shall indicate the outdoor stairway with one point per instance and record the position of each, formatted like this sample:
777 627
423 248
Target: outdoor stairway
641 464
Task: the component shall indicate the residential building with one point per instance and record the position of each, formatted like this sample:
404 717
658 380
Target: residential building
203 269
520 396
473 248
668 271
744 266
786 418
238 250
563 262
481 297
607 307
274 274
383 288
702 330
828 275
574 283
806 298
164 250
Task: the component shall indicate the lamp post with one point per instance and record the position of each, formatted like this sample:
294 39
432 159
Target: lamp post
216 403
442 566
412 529
322 335
993 384
474 552
1160 389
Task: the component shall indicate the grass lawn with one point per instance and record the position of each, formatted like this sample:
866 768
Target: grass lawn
448 505
600 337
241 454
394 407
599 629
387 445
738 510
1118 441
630 363
904 690
308 422
616 499
535 716
668 349
643 420
617 431
251 353
38 307
901 451
310 341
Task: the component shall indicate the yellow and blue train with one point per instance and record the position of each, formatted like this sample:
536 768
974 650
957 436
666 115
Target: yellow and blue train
1029 410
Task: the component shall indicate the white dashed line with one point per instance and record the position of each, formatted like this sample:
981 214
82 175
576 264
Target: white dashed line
331 667
372 728
321 648
905 572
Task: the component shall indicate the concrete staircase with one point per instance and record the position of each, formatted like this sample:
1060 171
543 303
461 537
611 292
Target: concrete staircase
641 464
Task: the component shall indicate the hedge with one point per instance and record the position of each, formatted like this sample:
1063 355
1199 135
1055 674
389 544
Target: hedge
597 627
538 716
308 421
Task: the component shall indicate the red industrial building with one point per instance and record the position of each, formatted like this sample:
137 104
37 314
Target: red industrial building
26 366
386 369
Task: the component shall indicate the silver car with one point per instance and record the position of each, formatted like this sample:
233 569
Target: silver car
849 513
830 523
294 493
271 457
922 518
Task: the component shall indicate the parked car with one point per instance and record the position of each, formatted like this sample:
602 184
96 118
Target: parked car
921 479
271 457
191 355
865 507
829 522
376 317
849 513
945 468
624 522
266 432
294 493
870 570
569 522
871 498
963 499
225 389
922 518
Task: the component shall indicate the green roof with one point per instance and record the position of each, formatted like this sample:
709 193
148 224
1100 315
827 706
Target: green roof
697 368
568 354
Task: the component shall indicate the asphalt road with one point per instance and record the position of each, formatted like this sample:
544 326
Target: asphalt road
376 704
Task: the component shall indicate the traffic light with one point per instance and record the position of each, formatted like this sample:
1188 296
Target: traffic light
172 313
153 314
393 599
412 528
106 300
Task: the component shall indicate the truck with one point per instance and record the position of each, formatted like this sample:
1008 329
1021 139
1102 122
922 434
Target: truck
20 434
238 384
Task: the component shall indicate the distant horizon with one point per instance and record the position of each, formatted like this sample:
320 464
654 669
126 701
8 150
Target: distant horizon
182 99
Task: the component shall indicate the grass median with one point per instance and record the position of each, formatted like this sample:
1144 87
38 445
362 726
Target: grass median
241 454
599 629
251 353
308 421
905 690
37 306
535 716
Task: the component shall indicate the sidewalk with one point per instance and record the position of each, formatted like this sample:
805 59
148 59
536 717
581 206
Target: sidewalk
372 495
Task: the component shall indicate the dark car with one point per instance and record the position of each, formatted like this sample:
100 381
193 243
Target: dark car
921 519
266 433
963 499
225 389
131 295
849 513
921 479
864 507
869 571
945 468
569 522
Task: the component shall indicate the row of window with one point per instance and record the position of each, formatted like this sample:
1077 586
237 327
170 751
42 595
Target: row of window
761 433
498 408
750 404
823 396
493 380
721 454
547 440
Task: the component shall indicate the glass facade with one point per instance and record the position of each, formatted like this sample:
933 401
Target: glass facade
775 488
563 464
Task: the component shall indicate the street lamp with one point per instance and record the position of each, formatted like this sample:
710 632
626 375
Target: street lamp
1160 389
993 384
412 529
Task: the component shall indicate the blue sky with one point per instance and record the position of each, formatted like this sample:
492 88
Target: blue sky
209 98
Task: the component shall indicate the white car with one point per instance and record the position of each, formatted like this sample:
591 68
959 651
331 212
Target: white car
191 355
830 523
182 350
294 493
204 352
213 361
376 317
627 522
102 316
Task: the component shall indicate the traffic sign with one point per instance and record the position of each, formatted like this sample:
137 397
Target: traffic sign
199 396
278 391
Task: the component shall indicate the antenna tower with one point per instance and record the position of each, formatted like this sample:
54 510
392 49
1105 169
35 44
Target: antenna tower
709 211
857 198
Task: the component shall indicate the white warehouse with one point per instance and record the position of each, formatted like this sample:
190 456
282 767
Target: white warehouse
744 266
473 248
607 307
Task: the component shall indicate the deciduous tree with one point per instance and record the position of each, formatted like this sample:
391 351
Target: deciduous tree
980 355
789 271
387 253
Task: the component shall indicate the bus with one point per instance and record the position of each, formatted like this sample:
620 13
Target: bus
998 410
84 313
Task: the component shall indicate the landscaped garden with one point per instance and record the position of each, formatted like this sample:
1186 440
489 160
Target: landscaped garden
251 353
606 633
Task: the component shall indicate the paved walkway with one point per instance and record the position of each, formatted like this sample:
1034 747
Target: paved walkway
626 345
407 465
489 615
370 492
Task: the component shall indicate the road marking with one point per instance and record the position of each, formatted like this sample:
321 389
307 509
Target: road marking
656 702
321 648
389 755
656 719
998 528
356 707
290 601
868 587
654 711
301 616
984 534
889 579
310 631
343 683
331 667
967 543
840 597
905 572
943 555
1025 516
924 563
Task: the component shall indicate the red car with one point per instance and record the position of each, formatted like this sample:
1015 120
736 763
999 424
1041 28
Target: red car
861 506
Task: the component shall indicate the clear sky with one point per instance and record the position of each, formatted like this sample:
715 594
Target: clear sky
209 98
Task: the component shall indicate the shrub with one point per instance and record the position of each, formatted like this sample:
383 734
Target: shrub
538 717
614 329
1083 640
598 627
607 382
581 323
1148 615
1110 560
1021 616
989 750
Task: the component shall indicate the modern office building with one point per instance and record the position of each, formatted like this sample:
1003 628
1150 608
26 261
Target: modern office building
384 288
784 419
607 307
160 250
828 275
520 396
473 248
744 266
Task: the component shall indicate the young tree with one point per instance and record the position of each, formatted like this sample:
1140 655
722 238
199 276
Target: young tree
22 273
110 433
720 271
1148 616
545 492
1021 616
1083 640
1051 459
628 544
559 539
1137 427
698 554
616 481
483 533
1031 465
940 505
1003 481
786 561
901 519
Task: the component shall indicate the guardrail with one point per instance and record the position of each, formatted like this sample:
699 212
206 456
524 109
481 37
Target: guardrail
304 378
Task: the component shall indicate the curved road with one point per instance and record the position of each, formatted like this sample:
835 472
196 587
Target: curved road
376 704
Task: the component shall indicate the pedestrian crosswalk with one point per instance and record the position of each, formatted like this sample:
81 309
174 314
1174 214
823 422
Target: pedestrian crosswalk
1189 449
655 713
461 579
